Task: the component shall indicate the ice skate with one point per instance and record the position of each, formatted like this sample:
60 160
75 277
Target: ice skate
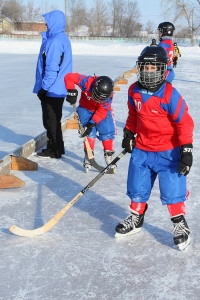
131 225
181 232
108 155
86 163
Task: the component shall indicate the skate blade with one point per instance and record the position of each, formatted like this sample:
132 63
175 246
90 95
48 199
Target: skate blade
43 157
87 168
184 245
121 235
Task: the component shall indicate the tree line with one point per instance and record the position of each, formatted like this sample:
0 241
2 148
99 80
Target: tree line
115 18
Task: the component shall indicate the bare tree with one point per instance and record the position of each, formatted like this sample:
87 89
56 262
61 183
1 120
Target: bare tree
1 4
150 27
13 9
78 14
130 23
116 12
32 13
46 6
184 11
98 18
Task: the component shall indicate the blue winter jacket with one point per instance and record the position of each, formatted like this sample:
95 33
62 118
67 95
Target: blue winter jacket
55 57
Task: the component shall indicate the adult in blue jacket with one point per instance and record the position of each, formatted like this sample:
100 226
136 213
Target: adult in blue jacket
54 62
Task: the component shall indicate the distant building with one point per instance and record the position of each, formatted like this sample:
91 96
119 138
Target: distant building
34 27
6 25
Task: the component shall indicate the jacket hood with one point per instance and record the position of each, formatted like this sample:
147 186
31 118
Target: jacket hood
56 21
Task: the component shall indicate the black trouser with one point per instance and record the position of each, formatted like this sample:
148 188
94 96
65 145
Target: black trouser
175 60
52 114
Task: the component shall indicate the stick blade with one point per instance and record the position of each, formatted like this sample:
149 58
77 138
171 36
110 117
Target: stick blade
24 232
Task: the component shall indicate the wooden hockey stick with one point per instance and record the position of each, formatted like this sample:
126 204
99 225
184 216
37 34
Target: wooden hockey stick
54 220
88 148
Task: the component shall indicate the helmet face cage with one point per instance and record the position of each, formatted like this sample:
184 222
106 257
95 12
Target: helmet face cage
99 97
102 90
151 79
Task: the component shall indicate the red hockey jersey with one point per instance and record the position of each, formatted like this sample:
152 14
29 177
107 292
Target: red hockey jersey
160 120
86 84
168 45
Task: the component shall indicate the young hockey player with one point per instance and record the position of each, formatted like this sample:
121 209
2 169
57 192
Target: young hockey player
177 54
165 31
159 134
153 43
94 110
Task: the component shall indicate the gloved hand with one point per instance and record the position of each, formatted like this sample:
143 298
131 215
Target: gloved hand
179 55
88 129
72 96
186 159
42 94
128 142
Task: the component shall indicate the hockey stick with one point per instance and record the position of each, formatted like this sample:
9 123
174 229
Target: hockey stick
88 148
54 220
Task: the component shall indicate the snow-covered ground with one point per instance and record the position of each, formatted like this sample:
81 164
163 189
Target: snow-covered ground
80 257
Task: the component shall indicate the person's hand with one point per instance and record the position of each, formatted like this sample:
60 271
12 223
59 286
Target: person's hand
42 94
72 96
88 129
128 142
186 159
180 55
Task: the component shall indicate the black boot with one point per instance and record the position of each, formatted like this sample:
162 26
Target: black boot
48 153
181 231
132 224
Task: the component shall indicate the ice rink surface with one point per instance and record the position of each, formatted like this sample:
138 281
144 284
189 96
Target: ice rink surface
80 259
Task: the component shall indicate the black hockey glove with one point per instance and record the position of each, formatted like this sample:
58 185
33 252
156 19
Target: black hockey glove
179 55
72 96
128 142
186 159
88 129
42 94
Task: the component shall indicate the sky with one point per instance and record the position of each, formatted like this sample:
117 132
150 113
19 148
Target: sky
150 10
80 258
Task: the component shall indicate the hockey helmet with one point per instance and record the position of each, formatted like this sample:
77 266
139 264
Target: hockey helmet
102 89
166 29
156 56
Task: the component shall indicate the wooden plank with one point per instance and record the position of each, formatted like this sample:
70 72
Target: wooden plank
72 124
22 163
122 81
128 74
116 88
133 71
10 181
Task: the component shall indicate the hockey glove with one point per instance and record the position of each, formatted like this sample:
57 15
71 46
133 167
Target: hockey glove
42 94
179 55
186 159
128 142
72 96
88 129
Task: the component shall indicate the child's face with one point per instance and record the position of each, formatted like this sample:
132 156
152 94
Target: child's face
150 68
159 33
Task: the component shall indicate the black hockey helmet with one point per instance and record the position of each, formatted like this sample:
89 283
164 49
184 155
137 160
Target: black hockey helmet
166 28
175 44
156 56
102 89
153 54
153 41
